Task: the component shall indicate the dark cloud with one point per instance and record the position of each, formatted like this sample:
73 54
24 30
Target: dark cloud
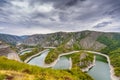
3 2
103 24
63 15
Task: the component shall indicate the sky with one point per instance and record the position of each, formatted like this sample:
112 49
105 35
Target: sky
26 17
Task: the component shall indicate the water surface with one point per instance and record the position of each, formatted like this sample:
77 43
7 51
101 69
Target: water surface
100 71
39 60
62 63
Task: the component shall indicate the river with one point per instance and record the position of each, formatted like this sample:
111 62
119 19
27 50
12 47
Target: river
100 71
39 60
62 63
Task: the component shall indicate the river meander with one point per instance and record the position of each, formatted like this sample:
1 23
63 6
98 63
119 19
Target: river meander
100 71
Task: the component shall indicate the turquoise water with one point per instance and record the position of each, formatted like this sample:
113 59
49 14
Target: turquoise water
100 71
39 60
62 63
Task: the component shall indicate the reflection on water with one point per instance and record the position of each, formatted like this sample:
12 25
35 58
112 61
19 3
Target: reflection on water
39 60
100 71
62 63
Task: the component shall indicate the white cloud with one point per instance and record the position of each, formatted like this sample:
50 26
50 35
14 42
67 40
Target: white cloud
44 7
22 4
1 28
30 31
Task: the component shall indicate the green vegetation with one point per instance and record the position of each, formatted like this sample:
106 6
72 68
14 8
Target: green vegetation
101 58
17 70
54 53
78 58
111 43
63 48
28 46
85 58
115 61
34 51
2 77
113 50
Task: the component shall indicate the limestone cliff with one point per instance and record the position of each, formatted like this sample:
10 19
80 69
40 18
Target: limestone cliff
5 50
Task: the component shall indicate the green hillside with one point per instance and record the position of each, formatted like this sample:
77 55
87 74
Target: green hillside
13 70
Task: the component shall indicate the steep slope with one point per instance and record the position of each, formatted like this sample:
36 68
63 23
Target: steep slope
87 40
5 50
13 70
53 39
82 40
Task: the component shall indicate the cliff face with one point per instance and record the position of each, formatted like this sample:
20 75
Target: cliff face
5 50
54 39
90 42
84 39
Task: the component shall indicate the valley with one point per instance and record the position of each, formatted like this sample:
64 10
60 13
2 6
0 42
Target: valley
73 53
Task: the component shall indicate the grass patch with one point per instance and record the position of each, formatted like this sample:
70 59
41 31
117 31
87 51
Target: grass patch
39 73
115 61
2 76
80 57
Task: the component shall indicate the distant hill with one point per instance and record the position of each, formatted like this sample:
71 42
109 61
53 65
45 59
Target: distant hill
91 40
12 39
105 42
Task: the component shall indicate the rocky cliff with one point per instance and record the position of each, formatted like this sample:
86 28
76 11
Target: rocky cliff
5 50
91 40
83 40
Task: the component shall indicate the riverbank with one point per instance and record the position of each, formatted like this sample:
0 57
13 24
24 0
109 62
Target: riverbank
63 54
70 63
113 77
90 66
28 59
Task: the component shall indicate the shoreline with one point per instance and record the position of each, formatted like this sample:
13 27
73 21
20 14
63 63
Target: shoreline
112 75
70 59
31 57
63 54
90 66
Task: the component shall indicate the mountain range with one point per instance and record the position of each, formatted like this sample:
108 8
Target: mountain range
105 42
91 40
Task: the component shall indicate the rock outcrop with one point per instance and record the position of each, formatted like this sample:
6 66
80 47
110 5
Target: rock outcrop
5 50
84 39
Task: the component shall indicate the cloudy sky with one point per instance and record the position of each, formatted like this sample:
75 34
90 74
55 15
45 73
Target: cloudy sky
23 17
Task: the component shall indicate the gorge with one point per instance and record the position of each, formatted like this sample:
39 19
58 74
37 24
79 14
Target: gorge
71 52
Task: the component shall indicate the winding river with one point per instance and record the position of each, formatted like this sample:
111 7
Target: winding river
39 60
100 71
